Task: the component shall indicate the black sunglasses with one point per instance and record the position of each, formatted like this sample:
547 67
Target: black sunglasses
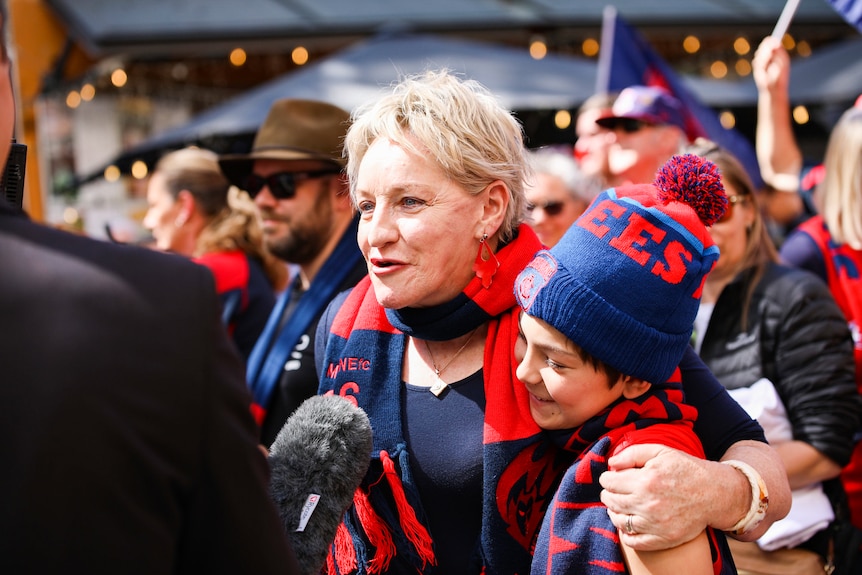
629 125
282 185
551 209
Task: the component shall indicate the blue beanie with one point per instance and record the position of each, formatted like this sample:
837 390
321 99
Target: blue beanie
624 282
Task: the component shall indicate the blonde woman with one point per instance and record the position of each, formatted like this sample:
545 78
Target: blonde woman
193 211
460 473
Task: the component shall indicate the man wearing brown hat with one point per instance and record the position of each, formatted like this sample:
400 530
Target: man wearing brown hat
294 174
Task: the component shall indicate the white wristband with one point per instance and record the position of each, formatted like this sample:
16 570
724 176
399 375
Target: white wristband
759 498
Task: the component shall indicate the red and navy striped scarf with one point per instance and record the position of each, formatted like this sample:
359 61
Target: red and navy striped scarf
384 531
577 535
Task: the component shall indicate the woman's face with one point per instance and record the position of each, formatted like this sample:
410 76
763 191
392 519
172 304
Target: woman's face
731 233
162 213
419 231
552 208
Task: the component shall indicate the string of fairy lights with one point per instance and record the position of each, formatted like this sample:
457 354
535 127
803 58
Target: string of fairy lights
735 62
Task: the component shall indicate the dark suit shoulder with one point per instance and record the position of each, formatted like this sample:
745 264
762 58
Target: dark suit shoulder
42 257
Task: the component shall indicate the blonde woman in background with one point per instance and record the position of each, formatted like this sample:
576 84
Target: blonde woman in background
830 245
195 212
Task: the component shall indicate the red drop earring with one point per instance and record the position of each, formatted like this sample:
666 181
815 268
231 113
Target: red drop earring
486 263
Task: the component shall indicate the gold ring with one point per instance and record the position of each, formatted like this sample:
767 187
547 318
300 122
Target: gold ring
629 527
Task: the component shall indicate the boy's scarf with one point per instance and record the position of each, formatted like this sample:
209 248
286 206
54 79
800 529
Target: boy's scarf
577 535
384 530
267 358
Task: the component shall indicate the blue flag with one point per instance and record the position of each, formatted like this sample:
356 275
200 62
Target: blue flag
850 10
627 59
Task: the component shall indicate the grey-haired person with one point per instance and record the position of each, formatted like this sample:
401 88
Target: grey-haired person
557 193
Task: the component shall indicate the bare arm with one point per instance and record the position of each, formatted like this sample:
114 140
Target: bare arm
778 153
805 464
766 461
691 558
673 496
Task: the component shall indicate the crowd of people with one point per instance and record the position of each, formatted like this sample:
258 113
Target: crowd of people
602 357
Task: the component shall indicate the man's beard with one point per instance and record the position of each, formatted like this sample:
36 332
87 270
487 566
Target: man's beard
306 236
299 245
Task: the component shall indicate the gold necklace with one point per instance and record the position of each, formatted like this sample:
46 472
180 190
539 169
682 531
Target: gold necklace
440 385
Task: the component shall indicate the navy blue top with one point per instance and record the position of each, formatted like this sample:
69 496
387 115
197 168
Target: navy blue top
445 438
801 251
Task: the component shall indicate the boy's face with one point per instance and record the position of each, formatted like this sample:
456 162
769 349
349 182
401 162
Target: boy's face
565 391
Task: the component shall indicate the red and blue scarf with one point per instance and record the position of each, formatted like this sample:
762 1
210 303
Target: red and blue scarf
577 535
275 343
384 531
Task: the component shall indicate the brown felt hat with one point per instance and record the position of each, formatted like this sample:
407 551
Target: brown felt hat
295 131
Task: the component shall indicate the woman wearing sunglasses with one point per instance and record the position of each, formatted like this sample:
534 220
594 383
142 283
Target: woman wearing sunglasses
775 338
193 211
557 193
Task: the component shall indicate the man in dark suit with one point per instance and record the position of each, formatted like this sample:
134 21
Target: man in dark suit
127 441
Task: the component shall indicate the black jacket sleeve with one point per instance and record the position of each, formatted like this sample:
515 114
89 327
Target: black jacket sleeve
814 369
721 421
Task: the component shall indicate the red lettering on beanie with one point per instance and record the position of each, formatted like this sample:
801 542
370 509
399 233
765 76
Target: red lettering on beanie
632 235
675 257
600 213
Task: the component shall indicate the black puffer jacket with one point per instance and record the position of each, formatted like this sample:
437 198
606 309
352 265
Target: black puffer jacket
798 338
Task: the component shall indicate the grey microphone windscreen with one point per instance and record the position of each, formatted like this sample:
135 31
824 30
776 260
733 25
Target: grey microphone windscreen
317 461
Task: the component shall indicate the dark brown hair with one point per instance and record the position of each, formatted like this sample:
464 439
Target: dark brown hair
759 249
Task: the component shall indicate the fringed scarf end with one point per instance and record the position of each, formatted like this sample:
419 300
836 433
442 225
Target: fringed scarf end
413 529
376 530
343 553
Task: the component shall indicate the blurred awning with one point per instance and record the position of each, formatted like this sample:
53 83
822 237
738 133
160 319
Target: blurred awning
833 74
360 73
151 28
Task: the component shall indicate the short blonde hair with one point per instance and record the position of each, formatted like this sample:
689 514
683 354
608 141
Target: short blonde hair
232 222
839 194
473 138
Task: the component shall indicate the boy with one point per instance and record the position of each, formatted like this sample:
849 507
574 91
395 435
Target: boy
608 313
